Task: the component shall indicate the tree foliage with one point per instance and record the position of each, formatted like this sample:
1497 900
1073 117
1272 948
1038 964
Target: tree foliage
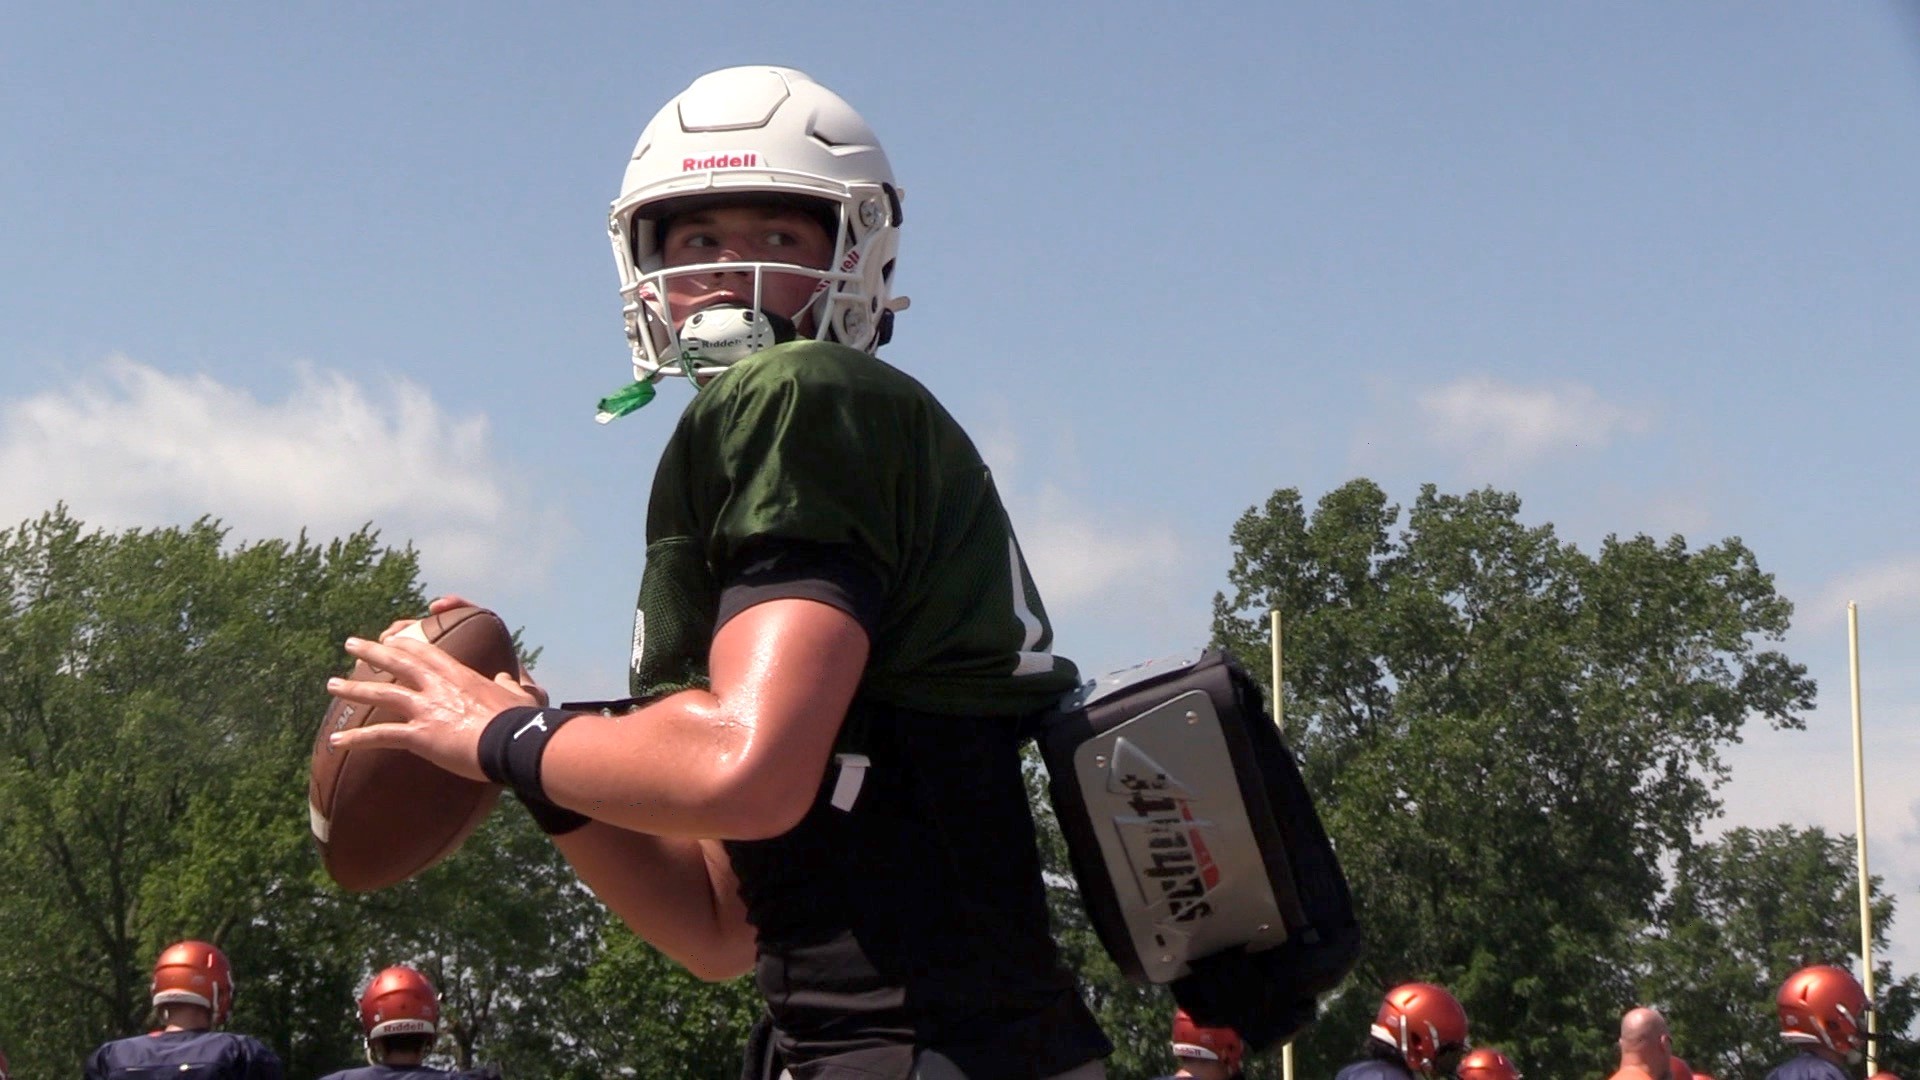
1513 743
159 691
639 1014
156 690
1506 736
1745 911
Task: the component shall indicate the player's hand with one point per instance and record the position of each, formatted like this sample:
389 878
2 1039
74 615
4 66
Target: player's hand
434 607
447 603
443 704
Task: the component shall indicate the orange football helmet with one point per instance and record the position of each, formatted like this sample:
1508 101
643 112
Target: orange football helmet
1221 1044
399 1001
1680 1069
196 973
1487 1063
1823 1005
1423 1022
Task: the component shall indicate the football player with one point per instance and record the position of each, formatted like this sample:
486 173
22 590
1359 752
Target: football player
1823 1012
193 995
1205 1053
837 643
400 1018
1420 1030
1486 1063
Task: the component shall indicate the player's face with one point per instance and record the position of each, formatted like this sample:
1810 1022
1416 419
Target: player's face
1201 1069
745 234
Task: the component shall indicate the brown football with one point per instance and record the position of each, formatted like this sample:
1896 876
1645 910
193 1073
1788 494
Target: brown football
382 816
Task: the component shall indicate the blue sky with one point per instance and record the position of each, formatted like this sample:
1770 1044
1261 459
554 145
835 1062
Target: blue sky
1652 267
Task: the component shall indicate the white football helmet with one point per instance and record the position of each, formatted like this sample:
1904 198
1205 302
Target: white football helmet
773 133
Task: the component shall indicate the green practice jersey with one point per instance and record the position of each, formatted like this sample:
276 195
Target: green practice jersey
820 444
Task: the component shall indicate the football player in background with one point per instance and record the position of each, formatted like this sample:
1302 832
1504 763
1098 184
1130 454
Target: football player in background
837 645
400 1018
1205 1053
1486 1063
193 995
1420 1031
1823 1012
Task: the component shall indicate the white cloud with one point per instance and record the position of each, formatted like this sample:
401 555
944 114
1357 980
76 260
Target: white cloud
140 447
1117 593
1120 585
1490 419
1080 558
1075 552
1888 587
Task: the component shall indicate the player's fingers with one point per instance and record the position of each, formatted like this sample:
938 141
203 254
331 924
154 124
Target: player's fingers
408 657
528 690
434 607
530 684
382 655
366 692
376 737
398 626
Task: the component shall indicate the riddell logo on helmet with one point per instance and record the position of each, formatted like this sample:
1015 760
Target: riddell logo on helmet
720 161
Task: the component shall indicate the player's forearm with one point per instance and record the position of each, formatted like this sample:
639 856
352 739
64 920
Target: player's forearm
741 762
682 767
679 895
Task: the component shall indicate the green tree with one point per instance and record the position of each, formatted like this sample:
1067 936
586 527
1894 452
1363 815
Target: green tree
157 692
503 929
1505 735
1745 911
639 1014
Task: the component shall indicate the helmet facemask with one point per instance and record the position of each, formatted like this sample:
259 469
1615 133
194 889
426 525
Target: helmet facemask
849 302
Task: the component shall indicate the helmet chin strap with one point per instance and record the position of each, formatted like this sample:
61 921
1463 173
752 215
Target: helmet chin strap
723 336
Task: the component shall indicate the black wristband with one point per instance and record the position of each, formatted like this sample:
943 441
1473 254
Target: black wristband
553 819
511 746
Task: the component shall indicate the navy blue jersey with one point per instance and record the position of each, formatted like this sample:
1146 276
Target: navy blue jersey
1374 1069
1807 1065
185 1055
409 1072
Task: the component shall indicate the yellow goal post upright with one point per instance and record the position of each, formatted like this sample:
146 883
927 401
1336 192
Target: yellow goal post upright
1279 721
1860 838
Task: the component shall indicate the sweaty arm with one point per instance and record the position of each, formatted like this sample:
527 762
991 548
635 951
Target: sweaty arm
742 760
679 895
739 760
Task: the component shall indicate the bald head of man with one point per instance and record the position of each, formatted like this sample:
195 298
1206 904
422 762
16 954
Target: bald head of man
1645 1043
